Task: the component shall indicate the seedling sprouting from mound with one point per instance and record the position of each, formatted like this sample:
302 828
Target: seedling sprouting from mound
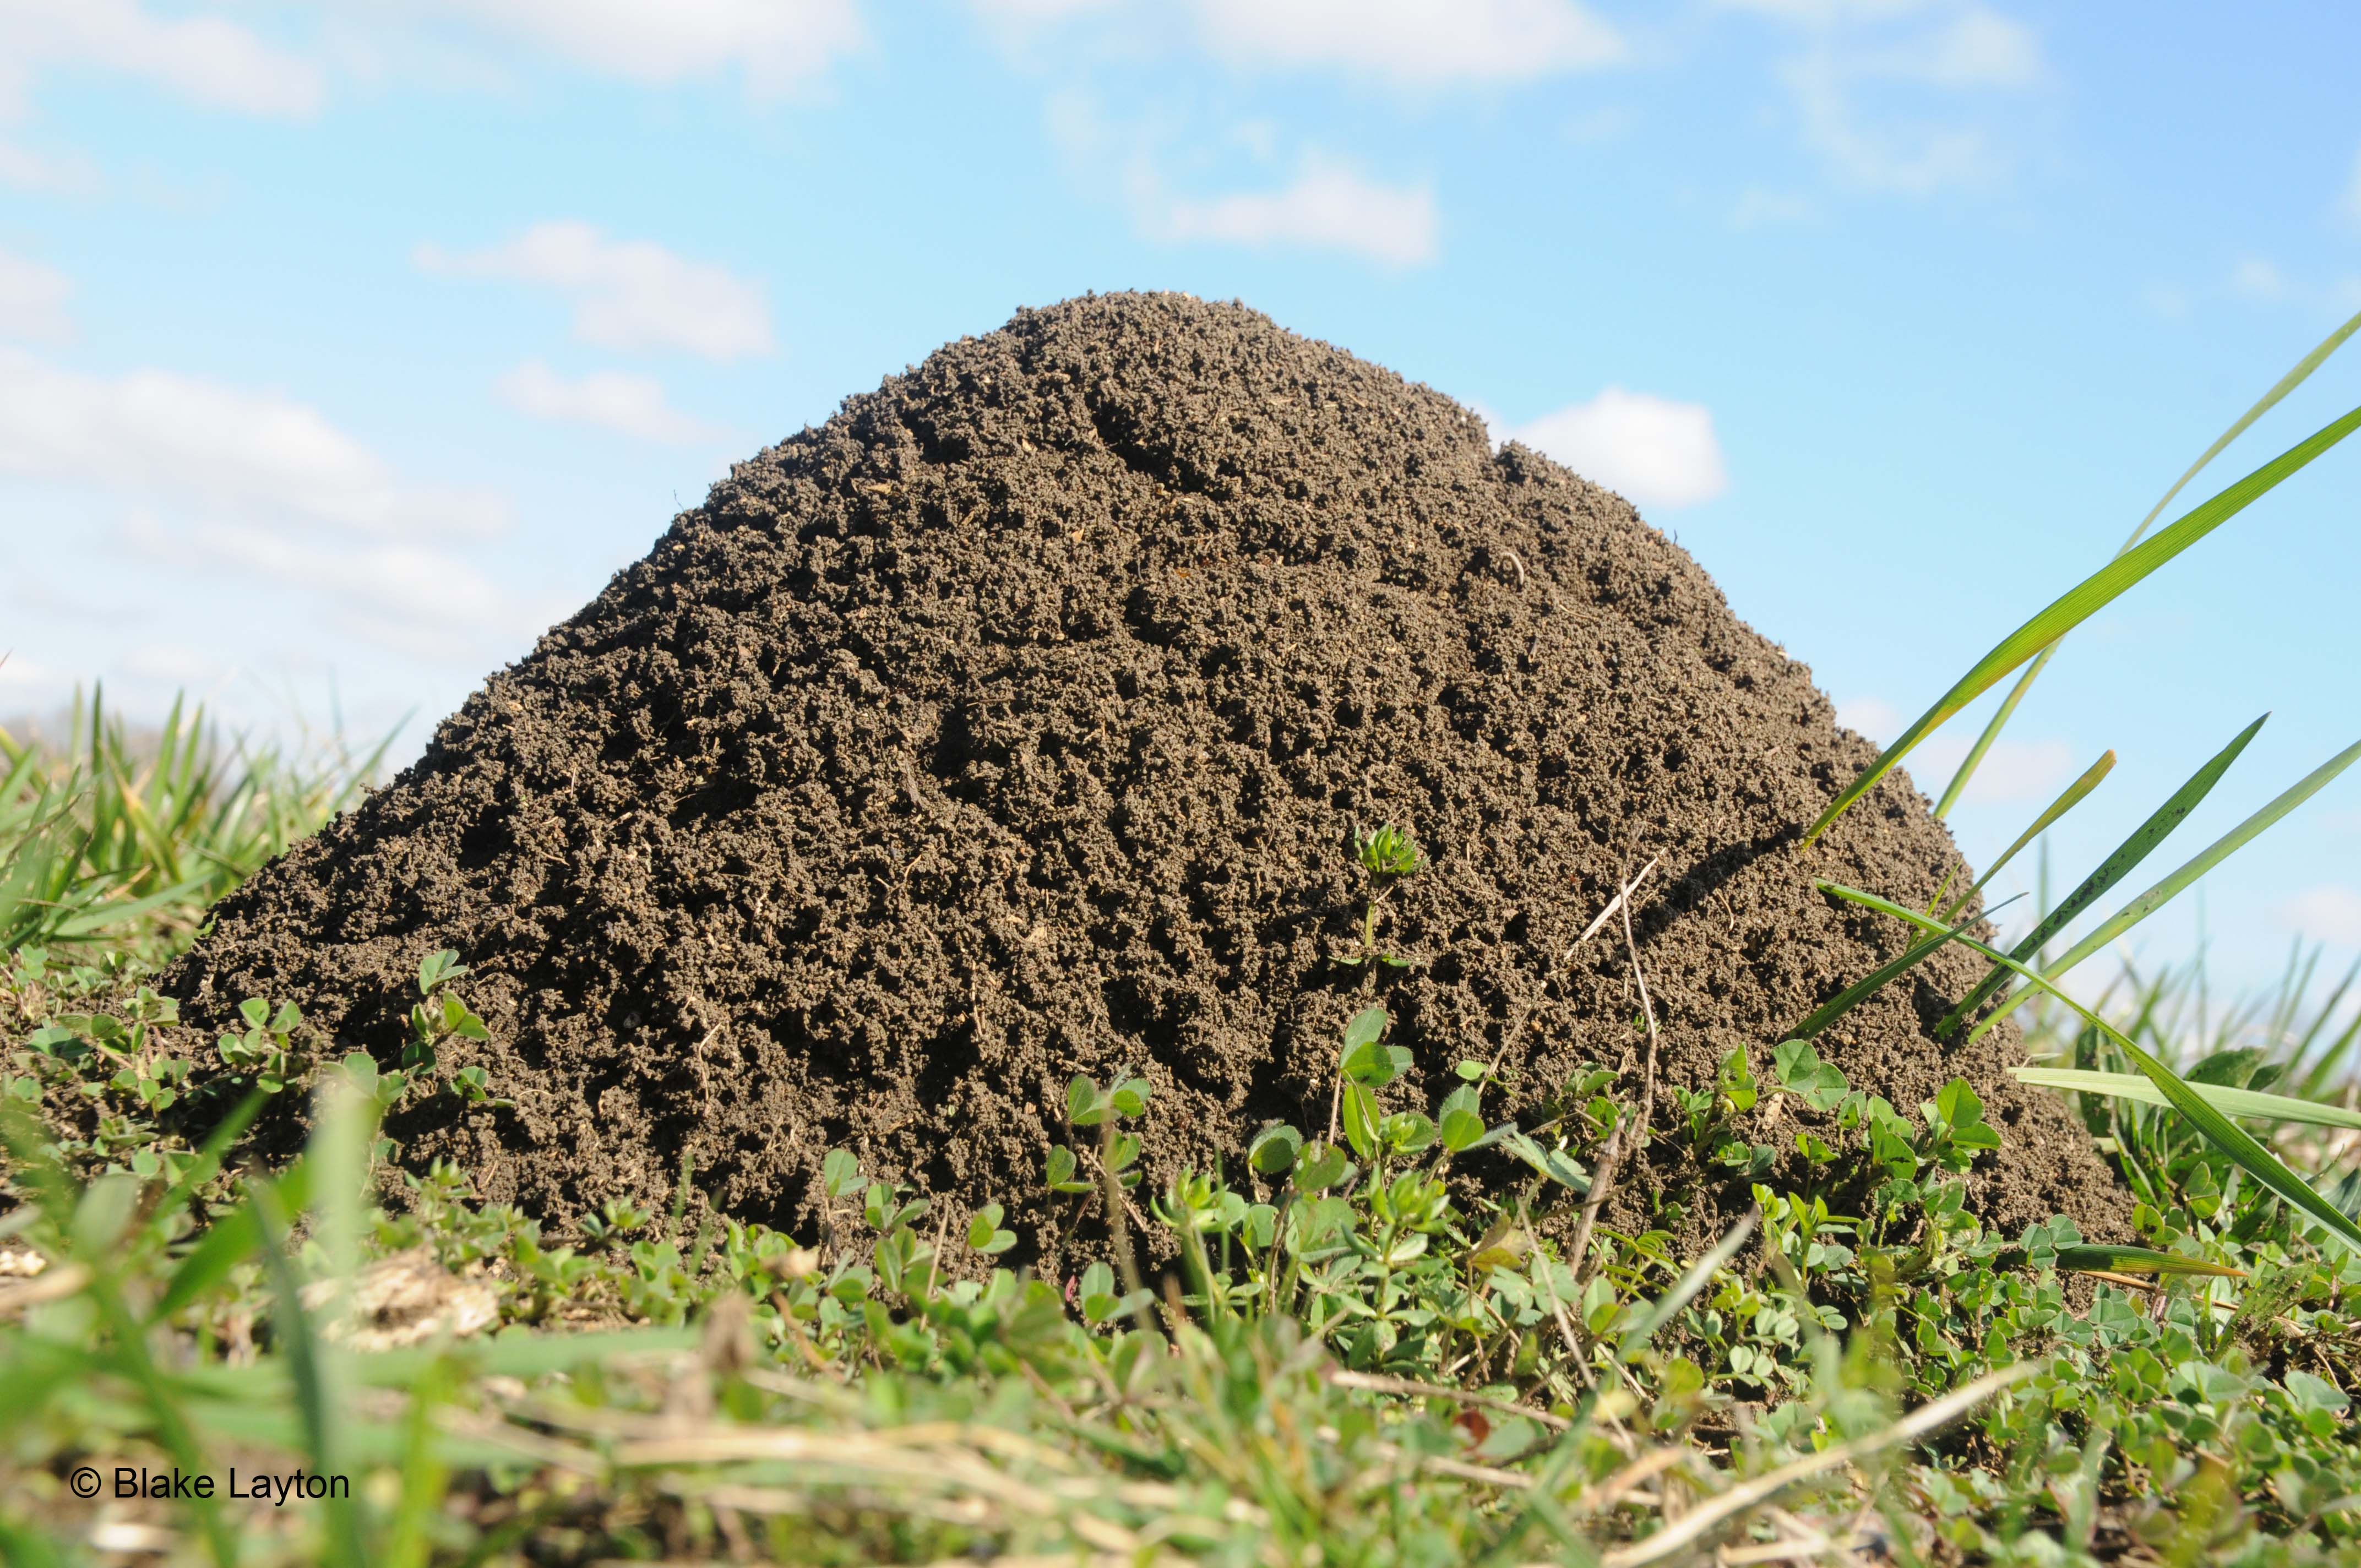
1387 855
438 1018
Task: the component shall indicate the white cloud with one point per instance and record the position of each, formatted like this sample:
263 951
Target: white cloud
1975 48
205 59
33 300
1873 716
23 673
2255 277
777 45
608 400
1597 127
1418 43
1823 13
1658 452
2328 913
1886 157
2166 300
177 437
414 598
1035 10
44 175
2013 771
1328 207
1757 208
628 294
1861 83
174 664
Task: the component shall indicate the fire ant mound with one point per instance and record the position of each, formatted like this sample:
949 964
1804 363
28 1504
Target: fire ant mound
1015 723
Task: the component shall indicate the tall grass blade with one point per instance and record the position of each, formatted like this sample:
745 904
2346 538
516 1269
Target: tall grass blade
2229 1101
426 1475
1991 731
2319 1071
306 1361
2171 887
2263 405
228 1241
1696 1278
214 1150
128 1357
2067 799
2217 1129
2140 1260
1868 985
2112 870
2089 597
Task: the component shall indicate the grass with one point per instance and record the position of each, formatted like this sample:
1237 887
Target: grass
1353 1361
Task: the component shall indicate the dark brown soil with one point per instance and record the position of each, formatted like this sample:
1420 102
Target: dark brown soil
1012 725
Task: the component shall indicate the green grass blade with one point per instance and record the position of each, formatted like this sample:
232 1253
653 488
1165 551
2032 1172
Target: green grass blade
2317 1068
2217 1129
2171 887
2070 797
1993 727
306 1361
2229 1101
517 1355
426 1474
2263 405
1698 1276
2089 597
209 1157
128 1352
1877 980
2140 1260
230 1241
2112 870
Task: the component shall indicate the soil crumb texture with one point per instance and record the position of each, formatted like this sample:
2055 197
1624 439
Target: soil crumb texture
1014 724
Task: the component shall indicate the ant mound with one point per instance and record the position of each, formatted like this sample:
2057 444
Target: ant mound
1015 724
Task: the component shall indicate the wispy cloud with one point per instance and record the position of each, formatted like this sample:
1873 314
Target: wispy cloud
33 300
776 45
1656 450
1328 206
1888 95
46 174
1757 208
415 598
2013 772
1416 44
2255 277
605 400
1033 11
1873 716
1412 42
204 57
2330 912
627 294
203 444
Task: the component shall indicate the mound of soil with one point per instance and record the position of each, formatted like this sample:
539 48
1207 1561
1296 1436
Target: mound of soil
1013 724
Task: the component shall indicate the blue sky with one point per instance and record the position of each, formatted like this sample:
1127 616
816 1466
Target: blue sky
342 346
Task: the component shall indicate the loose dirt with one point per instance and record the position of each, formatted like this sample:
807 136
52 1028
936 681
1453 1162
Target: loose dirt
1013 725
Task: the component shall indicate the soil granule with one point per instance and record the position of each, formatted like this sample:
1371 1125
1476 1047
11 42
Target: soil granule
1014 723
